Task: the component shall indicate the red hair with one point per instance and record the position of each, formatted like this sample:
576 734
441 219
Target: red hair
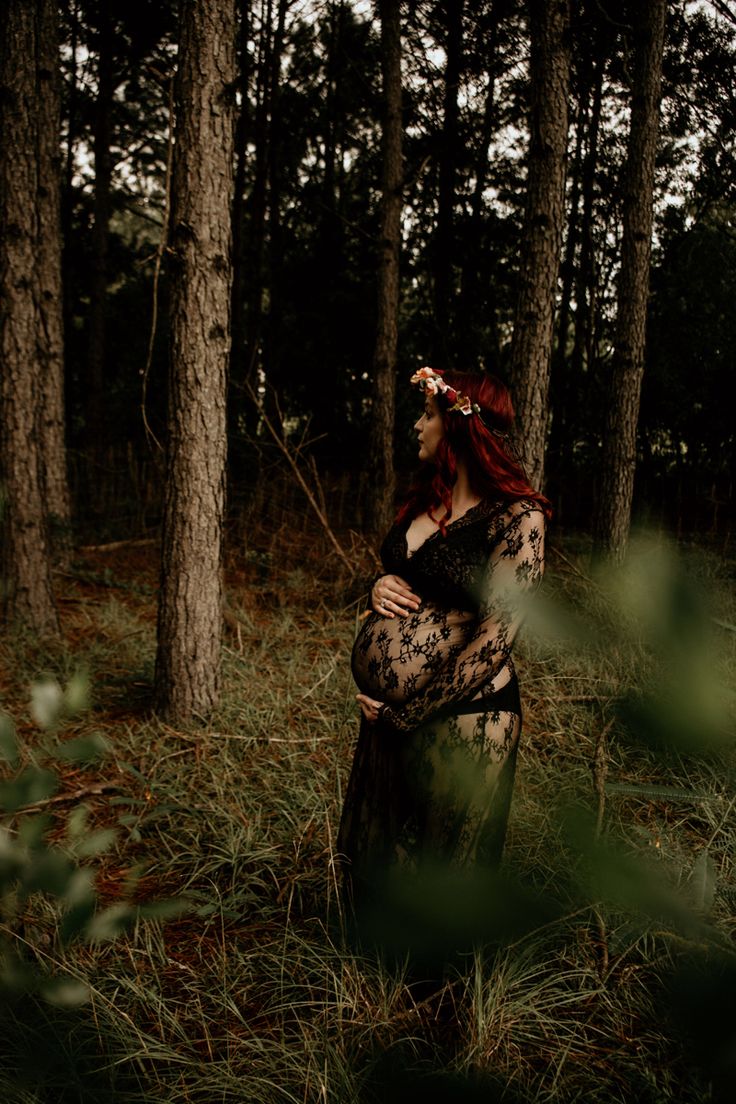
482 441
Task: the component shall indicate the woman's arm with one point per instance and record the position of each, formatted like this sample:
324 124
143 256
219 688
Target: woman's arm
515 566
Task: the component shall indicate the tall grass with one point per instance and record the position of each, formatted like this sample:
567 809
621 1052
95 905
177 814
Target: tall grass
252 993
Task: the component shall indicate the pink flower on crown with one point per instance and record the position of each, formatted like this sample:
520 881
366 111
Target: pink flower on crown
424 374
430 381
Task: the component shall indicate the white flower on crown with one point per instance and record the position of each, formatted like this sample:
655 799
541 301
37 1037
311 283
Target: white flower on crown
427 378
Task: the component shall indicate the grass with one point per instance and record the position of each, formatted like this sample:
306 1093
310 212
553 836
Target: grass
252 994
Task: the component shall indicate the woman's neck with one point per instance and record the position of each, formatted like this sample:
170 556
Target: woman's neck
463 496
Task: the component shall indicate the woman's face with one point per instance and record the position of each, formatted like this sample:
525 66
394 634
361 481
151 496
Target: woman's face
430 429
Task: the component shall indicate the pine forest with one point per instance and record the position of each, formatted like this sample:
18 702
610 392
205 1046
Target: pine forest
230 233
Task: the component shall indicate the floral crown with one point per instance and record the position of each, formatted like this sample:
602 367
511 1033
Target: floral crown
431 382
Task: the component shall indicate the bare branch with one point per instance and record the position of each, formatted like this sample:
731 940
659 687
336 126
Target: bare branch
291 460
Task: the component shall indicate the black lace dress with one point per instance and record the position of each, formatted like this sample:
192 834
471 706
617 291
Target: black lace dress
432 777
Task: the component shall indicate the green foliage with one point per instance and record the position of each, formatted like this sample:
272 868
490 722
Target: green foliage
31 864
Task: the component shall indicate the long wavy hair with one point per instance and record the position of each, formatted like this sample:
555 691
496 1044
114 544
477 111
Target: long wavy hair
482 441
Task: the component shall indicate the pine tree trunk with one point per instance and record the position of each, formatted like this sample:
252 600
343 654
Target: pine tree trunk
237 309
190 604
381 463
613 513
28 595
48 260
274 344
331 227
444 244
583 353
531 347
95 411
255 250
473 309
67 188
559 376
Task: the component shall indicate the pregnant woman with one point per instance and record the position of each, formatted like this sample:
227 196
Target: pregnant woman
433 771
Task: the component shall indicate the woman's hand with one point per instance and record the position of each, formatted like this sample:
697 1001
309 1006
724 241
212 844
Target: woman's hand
369 706
391 595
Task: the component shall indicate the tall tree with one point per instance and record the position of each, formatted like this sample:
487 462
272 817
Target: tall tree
258 200
531 349
274 352
613 509
574 357
48 267
96 415
190 604
476 309
381 463
443 246
26 551
237 312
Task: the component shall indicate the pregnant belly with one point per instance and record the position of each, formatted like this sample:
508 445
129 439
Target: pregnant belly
395 658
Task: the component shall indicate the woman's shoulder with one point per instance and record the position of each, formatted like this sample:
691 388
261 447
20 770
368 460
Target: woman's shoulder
502 513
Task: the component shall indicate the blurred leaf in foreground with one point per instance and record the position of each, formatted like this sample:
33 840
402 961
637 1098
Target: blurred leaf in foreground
679 702
47 702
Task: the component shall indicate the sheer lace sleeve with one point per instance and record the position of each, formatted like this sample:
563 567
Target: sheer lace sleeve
514 566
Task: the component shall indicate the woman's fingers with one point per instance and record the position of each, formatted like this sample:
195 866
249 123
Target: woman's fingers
392 595
369 706
398 591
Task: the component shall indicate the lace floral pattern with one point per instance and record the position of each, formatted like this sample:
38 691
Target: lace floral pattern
459 641
432 778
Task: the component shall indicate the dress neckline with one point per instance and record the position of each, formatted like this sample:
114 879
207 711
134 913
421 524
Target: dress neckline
432 536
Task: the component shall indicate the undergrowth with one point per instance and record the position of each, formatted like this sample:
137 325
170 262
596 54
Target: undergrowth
251 993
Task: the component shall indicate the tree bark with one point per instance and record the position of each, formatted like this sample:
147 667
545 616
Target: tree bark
474 308
95 414
575 355
613 511
381 449
583 352
331 226
559 376
273 338
50 298
443 246
256 245
28 594
190 604
531 347
237 309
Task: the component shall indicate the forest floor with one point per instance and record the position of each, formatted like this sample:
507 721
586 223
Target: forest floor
614 975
